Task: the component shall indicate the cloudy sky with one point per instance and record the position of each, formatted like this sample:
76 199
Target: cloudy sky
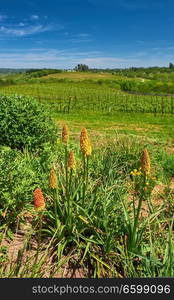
99 33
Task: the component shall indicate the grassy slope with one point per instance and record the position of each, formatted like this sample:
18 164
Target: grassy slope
84 76
107 124
145 125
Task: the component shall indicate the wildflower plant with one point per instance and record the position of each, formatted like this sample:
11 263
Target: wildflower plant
142 178
71 161
86 149
53 179
65 140
39 201
84 218
39 204
71 167
65 134
142 188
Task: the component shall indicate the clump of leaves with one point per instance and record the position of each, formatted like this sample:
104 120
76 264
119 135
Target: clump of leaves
20 174
25 123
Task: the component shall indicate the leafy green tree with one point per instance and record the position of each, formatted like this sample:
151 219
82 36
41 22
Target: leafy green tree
171 66
81 67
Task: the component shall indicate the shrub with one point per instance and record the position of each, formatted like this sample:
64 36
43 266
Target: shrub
25 123
20 174
168 165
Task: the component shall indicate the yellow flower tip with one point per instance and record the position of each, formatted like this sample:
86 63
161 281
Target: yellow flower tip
71 161
65 134
39 201
134 172
38 209
145 162
85 143
53 179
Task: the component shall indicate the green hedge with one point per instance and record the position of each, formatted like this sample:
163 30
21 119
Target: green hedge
25 123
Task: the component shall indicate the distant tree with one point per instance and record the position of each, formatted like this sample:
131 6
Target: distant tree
81 67
171 66
32 70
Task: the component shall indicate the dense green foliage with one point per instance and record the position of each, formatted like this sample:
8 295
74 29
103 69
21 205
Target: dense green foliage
24 123
81 67
140 72
32 73
153 80
20 174
148 86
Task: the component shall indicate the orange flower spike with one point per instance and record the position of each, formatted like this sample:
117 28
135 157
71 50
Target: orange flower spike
65 134
71 161
145 162
85 143
39 201
53 179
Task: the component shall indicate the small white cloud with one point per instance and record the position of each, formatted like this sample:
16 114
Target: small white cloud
34 17
81 35
79 40
23 31
21 24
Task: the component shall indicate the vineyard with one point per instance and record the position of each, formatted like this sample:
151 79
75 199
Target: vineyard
77 97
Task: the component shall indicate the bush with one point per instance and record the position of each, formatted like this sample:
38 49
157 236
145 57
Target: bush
20 174
168 165
25 123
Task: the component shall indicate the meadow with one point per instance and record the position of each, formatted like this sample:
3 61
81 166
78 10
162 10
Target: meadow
86 178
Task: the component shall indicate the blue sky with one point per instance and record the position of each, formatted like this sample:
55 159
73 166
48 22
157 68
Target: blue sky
99 33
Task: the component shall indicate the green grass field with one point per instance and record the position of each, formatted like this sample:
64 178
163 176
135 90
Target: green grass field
101 107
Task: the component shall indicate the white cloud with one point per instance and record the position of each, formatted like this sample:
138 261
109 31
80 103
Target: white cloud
68 58
34 17
24 31
109 62
79 40
81 35
21 24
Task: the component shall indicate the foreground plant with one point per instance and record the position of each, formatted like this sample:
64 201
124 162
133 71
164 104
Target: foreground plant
86 149
99 238
39 204
53 179
142 189
65 139
54 186
145 163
